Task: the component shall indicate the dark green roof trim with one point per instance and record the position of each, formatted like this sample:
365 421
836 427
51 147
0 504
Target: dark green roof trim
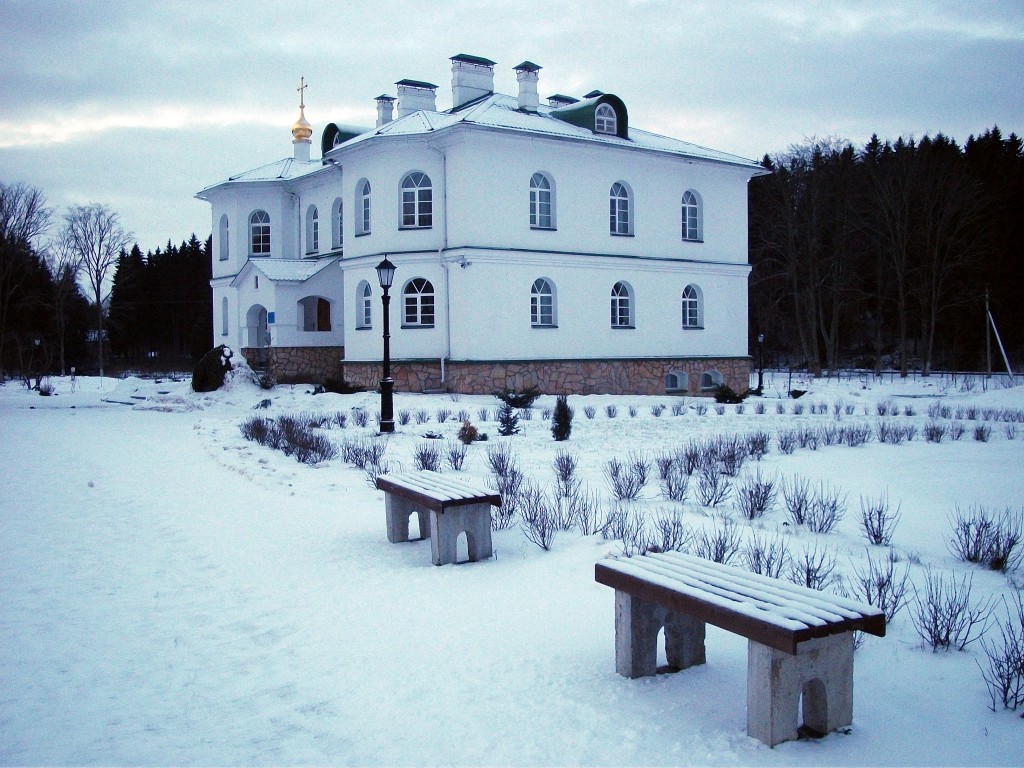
582 113
385 97
593 94
478 60
562 97
335 134
527 66
417 84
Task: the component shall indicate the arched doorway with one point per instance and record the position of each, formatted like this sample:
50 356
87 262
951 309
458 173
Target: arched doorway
257 333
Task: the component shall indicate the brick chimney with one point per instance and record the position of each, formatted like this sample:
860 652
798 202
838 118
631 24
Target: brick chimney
414 96
526 74
472 77
385 109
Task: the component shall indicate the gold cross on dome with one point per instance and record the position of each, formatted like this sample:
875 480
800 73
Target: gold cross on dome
302 92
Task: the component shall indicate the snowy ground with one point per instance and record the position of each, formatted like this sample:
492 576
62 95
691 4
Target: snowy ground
173 594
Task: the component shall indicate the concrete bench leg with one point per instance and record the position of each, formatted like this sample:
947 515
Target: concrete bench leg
821 670
474 520
397 511
637 623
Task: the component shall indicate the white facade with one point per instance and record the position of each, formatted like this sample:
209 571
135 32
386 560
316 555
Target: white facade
629 271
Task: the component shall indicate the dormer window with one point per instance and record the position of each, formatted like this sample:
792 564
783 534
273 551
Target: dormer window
605 120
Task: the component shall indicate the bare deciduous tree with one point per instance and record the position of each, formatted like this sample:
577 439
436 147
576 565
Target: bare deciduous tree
95 238
24 216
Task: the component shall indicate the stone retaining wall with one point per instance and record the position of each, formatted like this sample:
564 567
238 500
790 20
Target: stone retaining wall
297 364
571 377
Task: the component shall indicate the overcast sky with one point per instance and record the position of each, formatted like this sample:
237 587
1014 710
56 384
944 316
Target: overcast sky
139 104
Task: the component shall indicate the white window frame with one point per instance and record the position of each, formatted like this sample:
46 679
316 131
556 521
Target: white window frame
692 307
259 233
312 229
418 305
710 380
364 306
417 201
542 201
363 210
692 217
543 307
682 382
622 306
620 210
605 119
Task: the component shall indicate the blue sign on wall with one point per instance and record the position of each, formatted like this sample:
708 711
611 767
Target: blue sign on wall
270 318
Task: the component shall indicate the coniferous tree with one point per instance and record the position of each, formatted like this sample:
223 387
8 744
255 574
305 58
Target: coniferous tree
561 419
508 420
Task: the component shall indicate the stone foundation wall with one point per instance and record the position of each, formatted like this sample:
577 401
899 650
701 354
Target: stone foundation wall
297 364
571 377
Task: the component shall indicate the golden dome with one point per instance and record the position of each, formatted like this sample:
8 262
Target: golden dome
302 130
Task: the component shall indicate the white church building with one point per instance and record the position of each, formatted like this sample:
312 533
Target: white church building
550 245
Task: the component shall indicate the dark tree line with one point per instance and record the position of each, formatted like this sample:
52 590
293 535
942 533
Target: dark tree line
882 257
161 311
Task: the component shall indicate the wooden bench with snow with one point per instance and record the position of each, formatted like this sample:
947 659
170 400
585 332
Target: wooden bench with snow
446 507
800 640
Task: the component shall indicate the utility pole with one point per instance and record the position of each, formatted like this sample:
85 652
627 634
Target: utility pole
988 339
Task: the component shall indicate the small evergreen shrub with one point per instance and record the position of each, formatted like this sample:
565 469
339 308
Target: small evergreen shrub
561 421
522 399
467 433
508 420
726 394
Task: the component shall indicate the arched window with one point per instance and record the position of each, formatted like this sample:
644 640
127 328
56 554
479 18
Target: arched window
605 120
364 305
542 208
711 380
692 220
417 201
622 306
338 225
693 307
224 316
222 236
677 381
620 205
312 229
542 304
259 233
363 207
418 306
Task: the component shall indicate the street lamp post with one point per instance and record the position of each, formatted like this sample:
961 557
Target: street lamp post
386 276
760 363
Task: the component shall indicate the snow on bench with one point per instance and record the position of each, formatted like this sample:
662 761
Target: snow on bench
800 640
446 507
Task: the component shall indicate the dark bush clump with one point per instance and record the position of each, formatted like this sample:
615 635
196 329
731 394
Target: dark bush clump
341 387
726 394
211 369
561 420
522 399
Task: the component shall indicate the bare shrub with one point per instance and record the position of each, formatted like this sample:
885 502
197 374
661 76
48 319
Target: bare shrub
511 488
670 532
877 521
713 487
539 517
584 510
797 498
422 416
692 456
798 409
664 462
827 509
360 417
813 568
258 429
442 415
455 454
720 409
427 456
678 409
633 411
611 411
700 408
787 441
755 495
885 408
934 431
908 410
882 585
589 411
767 556
956 430
657 410
757 444
759 408
626 525
674 483
910 431
732 452
945 616
721 544
891 433
979 536
982 433
780 408
1004 654
1010 431
404 417
500 459
526 414
856 434
808 437
739 409
829 434
627 480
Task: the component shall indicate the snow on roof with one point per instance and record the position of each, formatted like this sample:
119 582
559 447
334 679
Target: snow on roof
291 270
498 111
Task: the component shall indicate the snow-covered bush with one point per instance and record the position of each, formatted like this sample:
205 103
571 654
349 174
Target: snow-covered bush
826 510
1004 672
455 454
564 466
626 480
767 556
813 568
721 543
713 486
757 443
882 585
442 415
209 372
755 495
670 532
427 456
539 516
934 431
798 498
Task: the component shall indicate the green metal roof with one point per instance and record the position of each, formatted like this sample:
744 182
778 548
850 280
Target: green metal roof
582 113
417 84
479 60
